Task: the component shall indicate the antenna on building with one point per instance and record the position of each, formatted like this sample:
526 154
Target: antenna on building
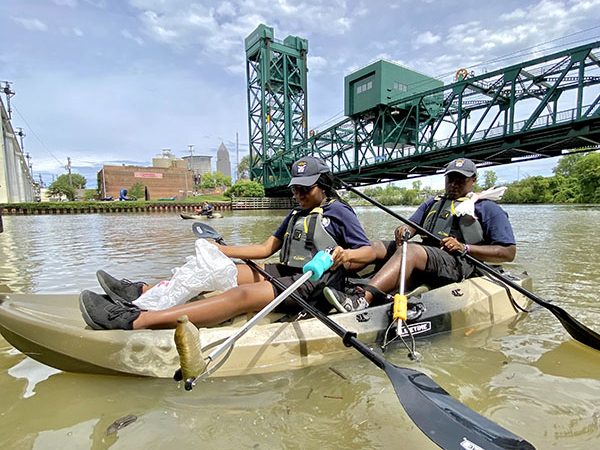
21 135
9 93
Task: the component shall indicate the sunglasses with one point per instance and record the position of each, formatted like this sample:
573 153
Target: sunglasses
301 190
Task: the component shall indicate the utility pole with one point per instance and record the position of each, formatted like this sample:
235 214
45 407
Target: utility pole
191 150
9 93
21 135
29 163
237 157
68 167
190 165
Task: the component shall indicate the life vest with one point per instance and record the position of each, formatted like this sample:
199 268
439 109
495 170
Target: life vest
304 237
441 220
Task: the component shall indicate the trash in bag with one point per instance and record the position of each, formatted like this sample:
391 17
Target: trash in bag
209 270
467 208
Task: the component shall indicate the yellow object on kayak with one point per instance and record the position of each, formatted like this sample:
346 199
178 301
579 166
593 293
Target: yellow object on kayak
400 307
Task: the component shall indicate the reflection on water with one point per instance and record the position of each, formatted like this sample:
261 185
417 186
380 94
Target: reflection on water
32 371
527 375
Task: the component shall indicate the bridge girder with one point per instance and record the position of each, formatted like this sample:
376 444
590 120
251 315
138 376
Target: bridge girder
535 109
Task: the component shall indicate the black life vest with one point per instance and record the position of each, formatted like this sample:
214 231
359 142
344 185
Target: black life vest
305 236
441 220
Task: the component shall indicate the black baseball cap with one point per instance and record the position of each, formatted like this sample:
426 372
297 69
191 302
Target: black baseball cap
306 171
463 166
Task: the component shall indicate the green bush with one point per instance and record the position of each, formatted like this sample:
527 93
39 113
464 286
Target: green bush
245 188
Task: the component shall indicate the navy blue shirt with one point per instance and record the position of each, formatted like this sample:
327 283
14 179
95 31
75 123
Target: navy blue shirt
497 229
341 223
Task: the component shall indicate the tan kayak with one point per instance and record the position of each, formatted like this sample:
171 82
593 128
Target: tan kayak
201 216
50 329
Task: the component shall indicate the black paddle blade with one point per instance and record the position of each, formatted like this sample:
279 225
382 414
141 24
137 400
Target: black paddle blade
444 420
205 231
575 328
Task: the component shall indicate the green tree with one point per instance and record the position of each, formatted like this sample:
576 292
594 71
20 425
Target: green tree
243 168
212 180
536 189
137 190
222 180
90 194
566 166
66 185
489 179
246 188
587 171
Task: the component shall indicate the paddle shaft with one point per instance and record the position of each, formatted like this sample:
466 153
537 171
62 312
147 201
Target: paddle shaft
402 282
261 314
575 328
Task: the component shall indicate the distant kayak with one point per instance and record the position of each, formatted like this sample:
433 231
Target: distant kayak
200 216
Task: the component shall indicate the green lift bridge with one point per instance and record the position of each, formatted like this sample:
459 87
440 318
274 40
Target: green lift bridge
401 124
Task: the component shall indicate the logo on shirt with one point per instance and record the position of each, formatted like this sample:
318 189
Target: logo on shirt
325 221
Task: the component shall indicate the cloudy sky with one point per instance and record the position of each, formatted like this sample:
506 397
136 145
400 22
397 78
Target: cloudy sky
116 81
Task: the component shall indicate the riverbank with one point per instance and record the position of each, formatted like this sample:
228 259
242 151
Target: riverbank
21 209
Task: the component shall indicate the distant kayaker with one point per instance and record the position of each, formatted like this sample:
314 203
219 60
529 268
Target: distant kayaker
466 223
321 221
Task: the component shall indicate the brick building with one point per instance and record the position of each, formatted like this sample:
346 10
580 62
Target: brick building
159 182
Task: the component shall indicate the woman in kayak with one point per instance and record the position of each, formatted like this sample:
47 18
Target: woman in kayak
321 221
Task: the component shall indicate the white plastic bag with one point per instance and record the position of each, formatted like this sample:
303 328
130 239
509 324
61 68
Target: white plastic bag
467 208
209 270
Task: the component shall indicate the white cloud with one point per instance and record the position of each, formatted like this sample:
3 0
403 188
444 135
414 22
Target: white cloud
219 31
316 64
127 35
71 31
427 38
31 24
226 9
514 15
70 3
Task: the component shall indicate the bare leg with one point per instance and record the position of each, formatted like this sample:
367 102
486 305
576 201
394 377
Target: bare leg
213 310
247 275
388 277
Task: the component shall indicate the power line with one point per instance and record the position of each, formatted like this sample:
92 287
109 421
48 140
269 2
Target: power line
36 135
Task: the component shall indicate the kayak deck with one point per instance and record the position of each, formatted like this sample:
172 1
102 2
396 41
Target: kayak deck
50 329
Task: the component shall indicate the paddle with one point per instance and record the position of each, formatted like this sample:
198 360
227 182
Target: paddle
444 420
575 328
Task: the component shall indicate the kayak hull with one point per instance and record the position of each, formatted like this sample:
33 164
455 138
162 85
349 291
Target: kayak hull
200 216
50 329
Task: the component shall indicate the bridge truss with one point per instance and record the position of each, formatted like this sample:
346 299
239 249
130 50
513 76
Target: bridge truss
537 109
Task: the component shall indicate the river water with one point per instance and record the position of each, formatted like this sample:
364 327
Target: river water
529 376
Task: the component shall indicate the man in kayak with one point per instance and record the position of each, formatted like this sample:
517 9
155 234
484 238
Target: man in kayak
321 221
485 234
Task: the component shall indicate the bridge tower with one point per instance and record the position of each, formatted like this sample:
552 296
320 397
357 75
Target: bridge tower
276 74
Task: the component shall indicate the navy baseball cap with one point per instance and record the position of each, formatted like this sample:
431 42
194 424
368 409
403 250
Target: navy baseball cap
463 166
306 171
